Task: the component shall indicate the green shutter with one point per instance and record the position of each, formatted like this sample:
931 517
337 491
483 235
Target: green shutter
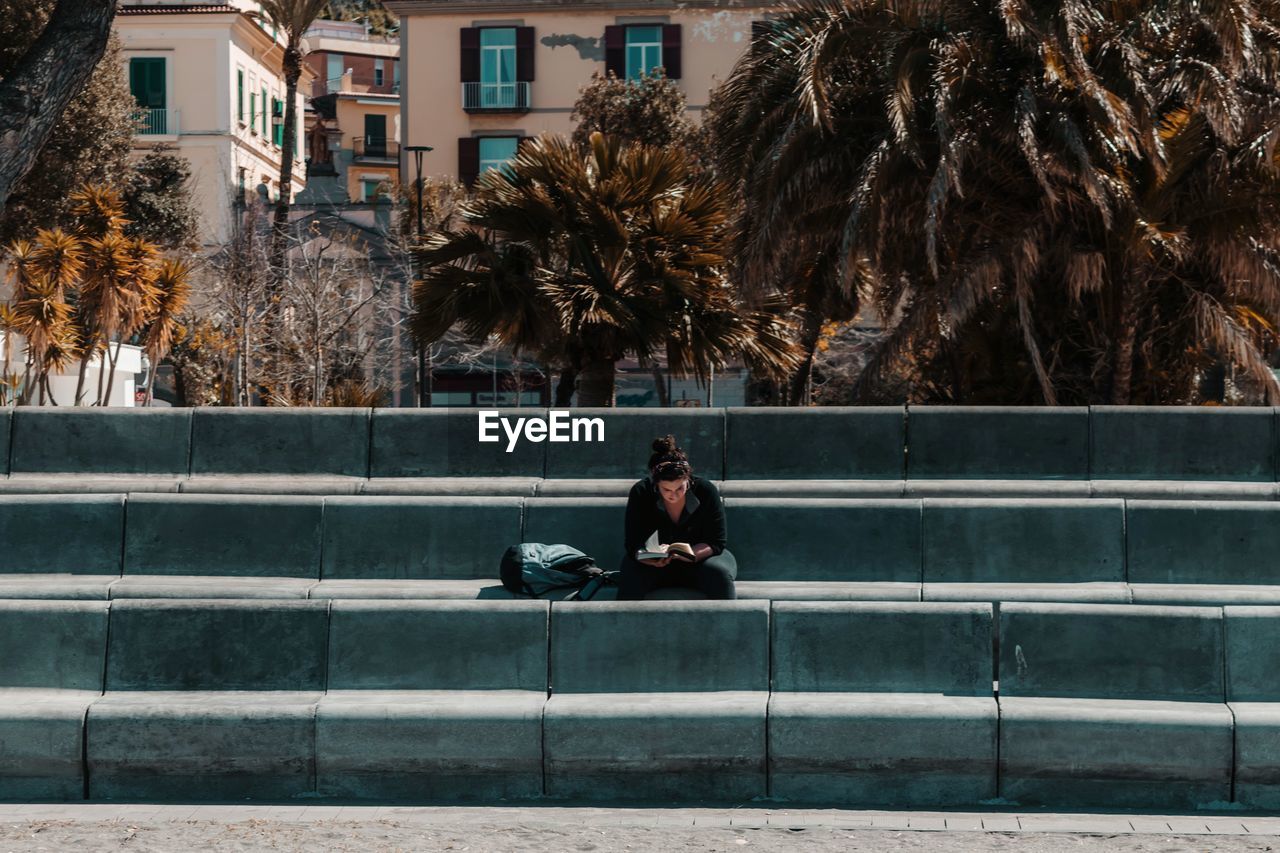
146 81
240 95
266 118
253 107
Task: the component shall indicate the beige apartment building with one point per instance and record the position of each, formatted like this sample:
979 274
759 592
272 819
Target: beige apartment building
353 127
209 82
479 75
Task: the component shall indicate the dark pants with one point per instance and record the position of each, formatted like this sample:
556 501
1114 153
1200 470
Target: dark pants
714 576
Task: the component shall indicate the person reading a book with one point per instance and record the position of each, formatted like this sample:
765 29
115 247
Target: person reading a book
675 531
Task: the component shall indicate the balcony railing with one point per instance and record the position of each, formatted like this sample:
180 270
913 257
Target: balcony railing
157 122
496 97
376 148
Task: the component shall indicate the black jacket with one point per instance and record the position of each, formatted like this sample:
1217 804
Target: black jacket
702 519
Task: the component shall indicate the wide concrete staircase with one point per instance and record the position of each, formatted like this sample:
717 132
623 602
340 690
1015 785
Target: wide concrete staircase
938 607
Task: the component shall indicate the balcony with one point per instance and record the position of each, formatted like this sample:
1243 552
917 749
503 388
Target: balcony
496 97
376 149
157 122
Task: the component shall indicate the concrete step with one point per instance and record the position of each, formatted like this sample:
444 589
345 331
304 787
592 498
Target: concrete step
334 447
937 542
71 587
321 485
847 703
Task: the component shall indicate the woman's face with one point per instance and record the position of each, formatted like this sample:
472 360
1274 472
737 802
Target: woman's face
672 491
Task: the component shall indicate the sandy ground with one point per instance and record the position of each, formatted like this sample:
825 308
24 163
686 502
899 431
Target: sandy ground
393 835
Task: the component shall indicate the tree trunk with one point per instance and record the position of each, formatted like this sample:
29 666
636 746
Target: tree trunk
660 384
596 386
8 361
1122 369
25 396
246 395
1213 383
564 388
151 381
315 377
111 378
179 387
288 142
49 75
810 332
80 378
102 371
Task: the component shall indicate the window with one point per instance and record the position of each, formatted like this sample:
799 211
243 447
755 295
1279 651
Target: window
240 95
334 72
264 122
146 82
498 67
497 151
644 50
451 398
633 49
395 75
378 72
369 189
375 135
277 130
253 112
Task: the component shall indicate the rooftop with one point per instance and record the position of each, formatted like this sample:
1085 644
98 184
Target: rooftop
347 31
174 8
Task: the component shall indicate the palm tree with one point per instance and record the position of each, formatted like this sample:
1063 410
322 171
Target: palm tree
74 293
1092 181
110 300
293 18
589 258
43 318
99 216
173 290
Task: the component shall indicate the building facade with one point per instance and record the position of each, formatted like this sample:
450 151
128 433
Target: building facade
209 82
480 75
353 126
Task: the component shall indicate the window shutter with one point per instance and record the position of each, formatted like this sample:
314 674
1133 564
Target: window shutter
615 51
470 44
468 159
671 59
524 54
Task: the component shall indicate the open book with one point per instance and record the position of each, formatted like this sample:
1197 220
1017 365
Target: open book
654 551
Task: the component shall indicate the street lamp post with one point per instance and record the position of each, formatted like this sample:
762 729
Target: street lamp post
424 374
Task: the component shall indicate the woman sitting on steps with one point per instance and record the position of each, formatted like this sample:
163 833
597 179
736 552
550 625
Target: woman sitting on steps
681 508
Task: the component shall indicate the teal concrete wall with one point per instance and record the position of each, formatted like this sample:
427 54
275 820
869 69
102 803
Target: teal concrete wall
1101 443
388 700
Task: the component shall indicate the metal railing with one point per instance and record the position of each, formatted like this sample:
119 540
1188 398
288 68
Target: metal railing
157 122
375 148
496 97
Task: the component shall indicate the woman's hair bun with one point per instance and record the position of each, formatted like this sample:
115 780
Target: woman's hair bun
668 461
664 444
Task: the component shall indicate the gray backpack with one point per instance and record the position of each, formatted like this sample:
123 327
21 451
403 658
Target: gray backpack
535 569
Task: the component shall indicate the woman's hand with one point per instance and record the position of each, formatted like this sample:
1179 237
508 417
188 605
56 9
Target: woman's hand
701 551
